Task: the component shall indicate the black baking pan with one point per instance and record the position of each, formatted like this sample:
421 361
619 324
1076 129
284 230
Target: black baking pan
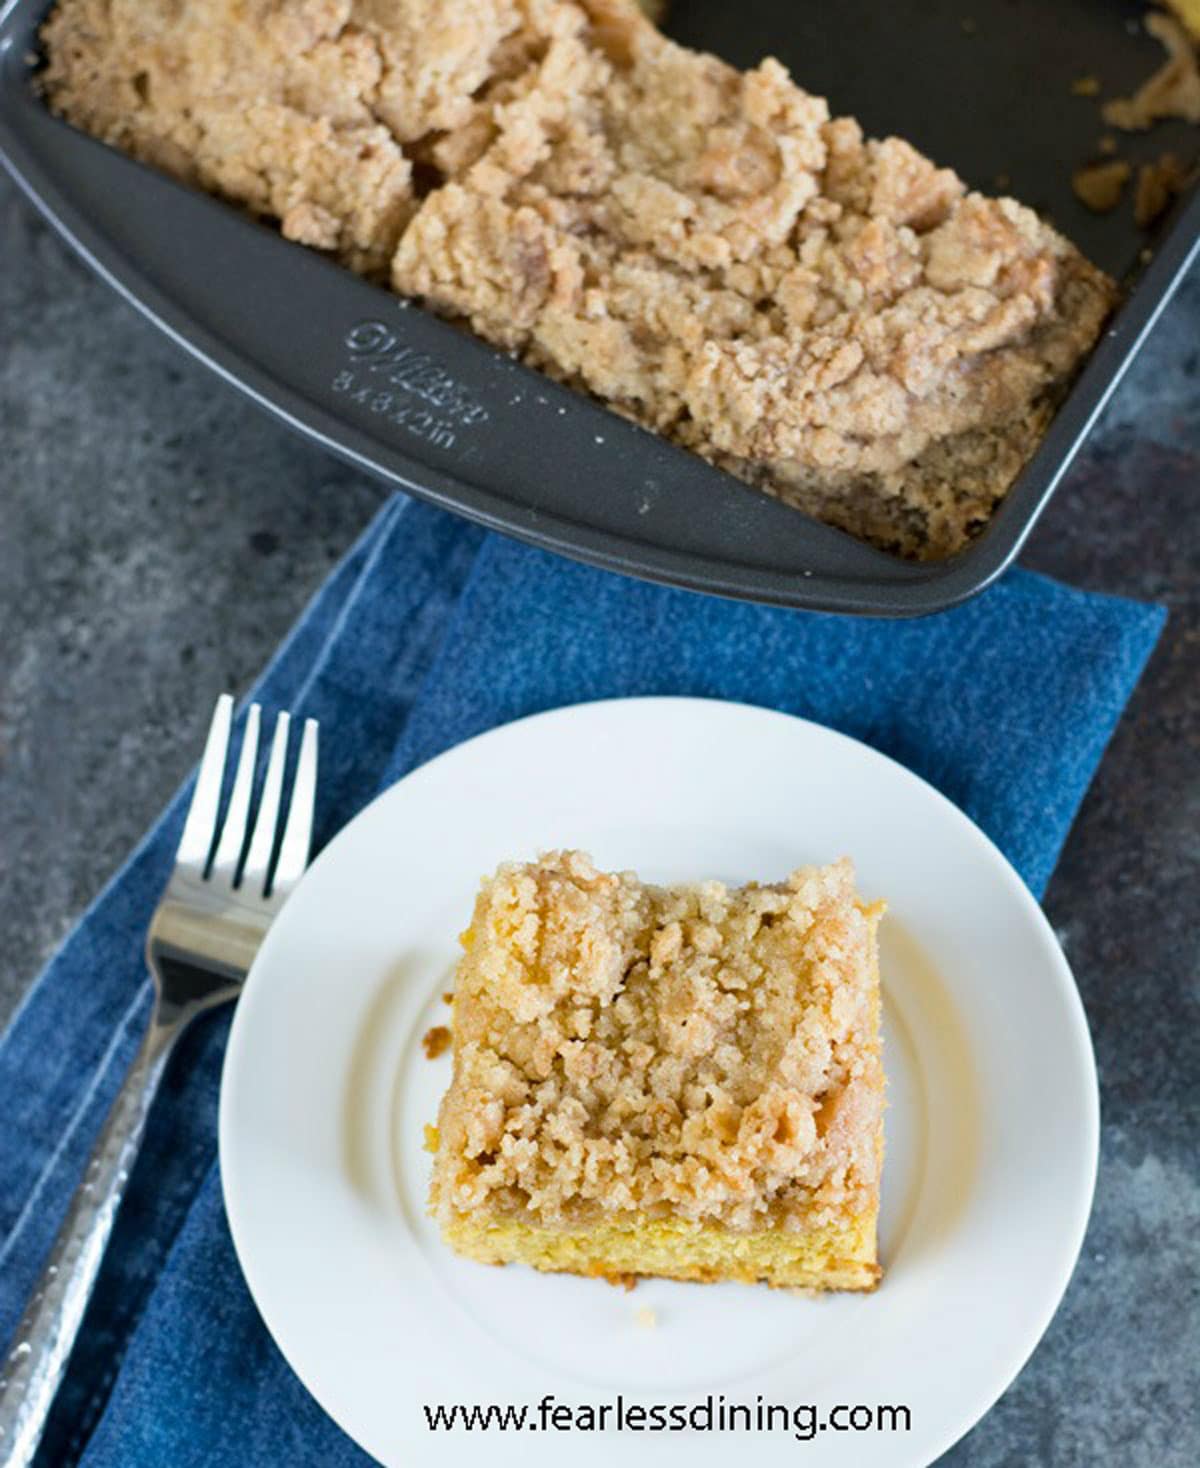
982 85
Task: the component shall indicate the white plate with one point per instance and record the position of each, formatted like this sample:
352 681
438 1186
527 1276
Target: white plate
991 1132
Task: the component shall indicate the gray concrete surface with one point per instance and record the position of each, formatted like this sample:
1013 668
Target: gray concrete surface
157 537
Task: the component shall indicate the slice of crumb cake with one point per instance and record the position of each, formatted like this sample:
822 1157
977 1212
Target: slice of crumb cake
680 1081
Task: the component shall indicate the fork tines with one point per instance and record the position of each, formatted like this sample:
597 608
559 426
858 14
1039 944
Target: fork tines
235 863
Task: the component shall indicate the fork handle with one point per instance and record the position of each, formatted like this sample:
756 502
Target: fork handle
37 1358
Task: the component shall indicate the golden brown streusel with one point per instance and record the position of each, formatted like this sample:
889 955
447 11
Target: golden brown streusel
1100 185
1172 91
1158 183
436 1041
697 1053
834 319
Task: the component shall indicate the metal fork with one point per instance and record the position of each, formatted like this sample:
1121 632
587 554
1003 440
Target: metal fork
204 934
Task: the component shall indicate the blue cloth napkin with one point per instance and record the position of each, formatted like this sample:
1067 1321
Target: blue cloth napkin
431 631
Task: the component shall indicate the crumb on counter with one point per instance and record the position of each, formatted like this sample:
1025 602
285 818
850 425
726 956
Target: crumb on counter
1085 86
646 1317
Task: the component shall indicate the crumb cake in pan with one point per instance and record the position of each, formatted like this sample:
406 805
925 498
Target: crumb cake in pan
834 319
681 1081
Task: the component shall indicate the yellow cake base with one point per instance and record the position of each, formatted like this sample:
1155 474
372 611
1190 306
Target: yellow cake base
829 1258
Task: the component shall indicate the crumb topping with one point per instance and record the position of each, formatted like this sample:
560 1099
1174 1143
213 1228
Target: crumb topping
1172 91
1100 185
832 318
703 1052
1158 182
436 1041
